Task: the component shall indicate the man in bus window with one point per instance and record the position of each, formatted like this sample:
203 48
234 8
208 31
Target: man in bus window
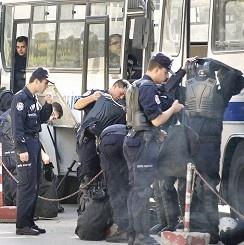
20 63
114 50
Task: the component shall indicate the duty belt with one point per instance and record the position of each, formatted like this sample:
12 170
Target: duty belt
32 136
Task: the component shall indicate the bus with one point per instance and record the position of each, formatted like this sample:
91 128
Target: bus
73 38
212 28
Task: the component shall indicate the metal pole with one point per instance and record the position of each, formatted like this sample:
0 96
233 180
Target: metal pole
188 197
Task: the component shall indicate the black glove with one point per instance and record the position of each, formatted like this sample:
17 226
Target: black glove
48 171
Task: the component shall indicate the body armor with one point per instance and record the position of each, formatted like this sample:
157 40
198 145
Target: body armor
136 119
104 113
203 93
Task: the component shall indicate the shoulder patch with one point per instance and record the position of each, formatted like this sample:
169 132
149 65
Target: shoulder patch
20 106
157 100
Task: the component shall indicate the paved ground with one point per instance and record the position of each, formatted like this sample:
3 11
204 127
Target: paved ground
60 231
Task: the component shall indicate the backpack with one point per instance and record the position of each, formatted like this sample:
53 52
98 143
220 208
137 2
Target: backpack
95 214
135 117
47 209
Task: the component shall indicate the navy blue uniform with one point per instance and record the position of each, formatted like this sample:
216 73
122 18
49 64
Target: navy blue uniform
115 170
90 164
204 209
141 151
27 115
86 147
166 196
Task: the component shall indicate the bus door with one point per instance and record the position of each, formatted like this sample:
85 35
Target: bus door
18 71
139 39
95 53
173 38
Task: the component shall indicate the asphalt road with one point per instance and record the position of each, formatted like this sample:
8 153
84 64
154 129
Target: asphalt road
60 231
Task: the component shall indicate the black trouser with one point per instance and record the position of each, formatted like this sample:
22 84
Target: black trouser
28 174
115 169
141 154
88 157
204 208
10 161
170 200
9 188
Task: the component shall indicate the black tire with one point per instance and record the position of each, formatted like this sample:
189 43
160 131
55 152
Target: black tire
236 180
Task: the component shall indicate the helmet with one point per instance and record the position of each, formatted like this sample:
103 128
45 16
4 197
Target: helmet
227 223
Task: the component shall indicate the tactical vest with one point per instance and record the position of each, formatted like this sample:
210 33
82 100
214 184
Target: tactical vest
136 119
104 113
203 98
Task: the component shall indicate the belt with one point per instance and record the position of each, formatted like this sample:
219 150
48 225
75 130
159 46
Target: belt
32 136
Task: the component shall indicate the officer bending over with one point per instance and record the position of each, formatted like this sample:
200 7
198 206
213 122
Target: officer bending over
141 146
27 116
86 147
115 171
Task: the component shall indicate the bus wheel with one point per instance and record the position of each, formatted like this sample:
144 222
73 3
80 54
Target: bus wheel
236 180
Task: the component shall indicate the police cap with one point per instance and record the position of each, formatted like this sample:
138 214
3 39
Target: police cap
41 73
163 60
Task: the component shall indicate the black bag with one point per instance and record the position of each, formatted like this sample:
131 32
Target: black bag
95 218
47 209
178 149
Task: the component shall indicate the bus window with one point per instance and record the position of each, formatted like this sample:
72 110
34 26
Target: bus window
70 12
42 45
44 13
22 12
172 27
70 45
199 20
8 30
228 31
96 56
115 12
156 23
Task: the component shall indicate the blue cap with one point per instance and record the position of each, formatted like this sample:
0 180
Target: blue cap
41 73
164 61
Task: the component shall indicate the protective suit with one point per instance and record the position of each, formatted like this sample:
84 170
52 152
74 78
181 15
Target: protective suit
208 91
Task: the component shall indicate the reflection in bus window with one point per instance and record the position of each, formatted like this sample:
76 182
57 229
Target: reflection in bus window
42 45
114 50
70 45
229 30
8 35
172 27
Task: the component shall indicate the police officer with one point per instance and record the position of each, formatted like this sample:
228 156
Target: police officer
86 146
141 145
210 86
27 116
169 202
115 171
